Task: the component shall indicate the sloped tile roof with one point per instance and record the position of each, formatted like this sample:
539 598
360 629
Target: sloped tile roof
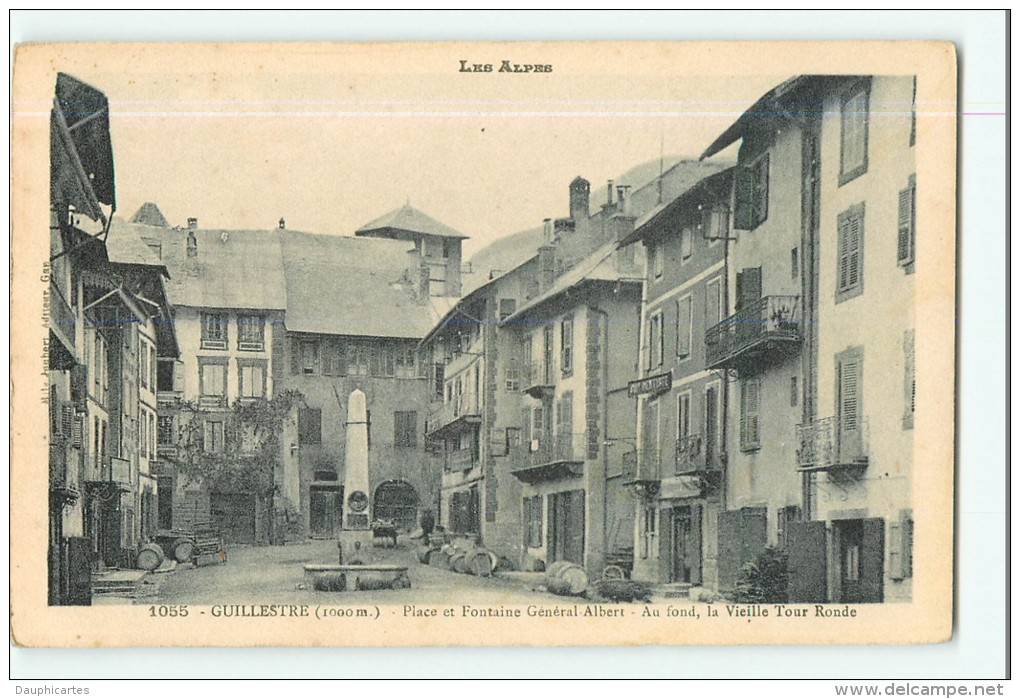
408 218
125 245
150 215
339 285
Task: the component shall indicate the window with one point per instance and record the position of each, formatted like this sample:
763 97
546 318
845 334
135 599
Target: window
850 269
794 395
251 333
214 331
383 363
143 435
152 368
853 119
513 377
213 439
655 253
357 359
751 190
654 340
507 308
404 362
713 303
439 379
567 346
533 521
513 439
309 426
251 379
794 264
309 356
143 365
684 308
683 416
686 244
212 375
405 428
712 426
165 375
909 380
152 435
648 521
784 517
905 227
750 404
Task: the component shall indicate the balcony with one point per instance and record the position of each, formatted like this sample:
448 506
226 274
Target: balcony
538 380
766 330
63 475
168 398
823 446
642 472
62 320
452 416
461 460
551 458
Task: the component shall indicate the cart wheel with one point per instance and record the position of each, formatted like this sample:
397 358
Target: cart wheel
183 550
613 572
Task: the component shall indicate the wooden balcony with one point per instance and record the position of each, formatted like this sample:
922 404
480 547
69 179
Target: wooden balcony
753 337
538 380
824 446
642 472
551 458
454 416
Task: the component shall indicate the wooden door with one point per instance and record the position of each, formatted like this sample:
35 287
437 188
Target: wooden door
808 571
323 512
686 537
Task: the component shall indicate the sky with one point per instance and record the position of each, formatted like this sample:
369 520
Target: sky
330 139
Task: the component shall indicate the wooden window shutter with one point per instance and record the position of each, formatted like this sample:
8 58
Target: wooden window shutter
849 380
526 427
844 257
683 326
295 356
909 379
760 199
749 433
903 238
743 194
853 248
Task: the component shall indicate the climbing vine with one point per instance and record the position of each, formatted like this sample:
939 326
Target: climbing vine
245 448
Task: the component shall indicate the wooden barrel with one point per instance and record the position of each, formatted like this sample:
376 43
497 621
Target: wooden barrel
183 550
566 579
440 559
459 562
150 557
483 563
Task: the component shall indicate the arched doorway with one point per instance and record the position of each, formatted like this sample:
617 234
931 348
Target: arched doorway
397 502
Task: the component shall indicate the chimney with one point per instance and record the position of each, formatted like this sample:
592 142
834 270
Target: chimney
580 193
283 224
623 196
192 224
546 267
609 193
192 241
547 230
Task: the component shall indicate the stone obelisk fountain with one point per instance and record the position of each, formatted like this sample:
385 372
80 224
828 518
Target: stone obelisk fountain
357 507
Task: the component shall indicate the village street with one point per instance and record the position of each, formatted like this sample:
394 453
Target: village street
273 574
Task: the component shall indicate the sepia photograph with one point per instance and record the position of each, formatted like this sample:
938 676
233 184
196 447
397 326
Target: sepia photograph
512 344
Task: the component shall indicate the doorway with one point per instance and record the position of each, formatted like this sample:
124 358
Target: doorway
397 502
860 557
685 559
566 527
325 510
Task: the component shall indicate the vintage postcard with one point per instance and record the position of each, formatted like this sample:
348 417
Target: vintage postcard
483 344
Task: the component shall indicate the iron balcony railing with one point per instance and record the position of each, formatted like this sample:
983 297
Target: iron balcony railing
770 324
823 444
696 454
62 318
642 465
462 406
